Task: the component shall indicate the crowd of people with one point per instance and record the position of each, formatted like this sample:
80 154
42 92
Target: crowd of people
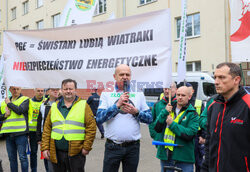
215 137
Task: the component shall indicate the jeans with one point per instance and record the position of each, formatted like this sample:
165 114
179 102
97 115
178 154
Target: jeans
48 165
33 151
186 167
100 127
66 163
114 154
17 144
199 153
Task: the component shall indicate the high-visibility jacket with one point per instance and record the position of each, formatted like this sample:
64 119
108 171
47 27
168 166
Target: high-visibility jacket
197 105
71 128
35 112
161 96
169 136
14 123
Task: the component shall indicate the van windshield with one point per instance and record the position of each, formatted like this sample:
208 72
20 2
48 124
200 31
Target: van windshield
209 89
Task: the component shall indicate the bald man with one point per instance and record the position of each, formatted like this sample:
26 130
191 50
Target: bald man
15 116
180 124
122 110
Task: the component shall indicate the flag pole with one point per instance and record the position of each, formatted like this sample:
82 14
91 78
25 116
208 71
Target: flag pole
169 95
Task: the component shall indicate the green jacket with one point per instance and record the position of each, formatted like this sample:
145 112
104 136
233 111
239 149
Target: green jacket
156 110
185 131
203 117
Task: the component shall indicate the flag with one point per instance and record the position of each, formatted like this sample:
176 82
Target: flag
181 69
2 86
240 30
77 12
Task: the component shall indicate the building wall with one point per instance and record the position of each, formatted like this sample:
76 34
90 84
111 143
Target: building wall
209 47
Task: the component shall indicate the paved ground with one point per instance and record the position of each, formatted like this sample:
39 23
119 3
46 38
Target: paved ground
148 162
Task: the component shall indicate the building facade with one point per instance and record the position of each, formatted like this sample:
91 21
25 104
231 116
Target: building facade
207 23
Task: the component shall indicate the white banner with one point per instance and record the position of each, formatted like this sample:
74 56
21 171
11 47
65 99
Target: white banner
240 30
77 12
181 69
89 53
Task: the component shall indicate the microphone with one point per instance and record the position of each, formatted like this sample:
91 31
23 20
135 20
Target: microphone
125 86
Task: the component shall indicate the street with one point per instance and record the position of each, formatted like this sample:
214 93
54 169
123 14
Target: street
94 162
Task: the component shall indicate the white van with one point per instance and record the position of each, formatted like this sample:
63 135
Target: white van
202 83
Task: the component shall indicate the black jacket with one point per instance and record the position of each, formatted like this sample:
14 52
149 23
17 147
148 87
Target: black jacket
44 110
93 102
228 134
22 109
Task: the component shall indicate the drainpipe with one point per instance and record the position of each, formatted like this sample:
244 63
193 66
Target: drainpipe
6 15
124 8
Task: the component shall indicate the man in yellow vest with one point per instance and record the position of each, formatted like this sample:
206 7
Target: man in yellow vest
180 123
69 131
35 102
14 113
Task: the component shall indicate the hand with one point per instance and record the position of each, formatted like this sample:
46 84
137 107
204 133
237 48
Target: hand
84 152
7 100
46 154
169 107
123 99
202 140
169 120
7 113
39 143
129 108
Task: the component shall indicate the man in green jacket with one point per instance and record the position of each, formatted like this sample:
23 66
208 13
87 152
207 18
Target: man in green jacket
180 124
156 110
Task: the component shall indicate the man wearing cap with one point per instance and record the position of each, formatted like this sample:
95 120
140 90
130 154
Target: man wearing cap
156 110
93 102
53 94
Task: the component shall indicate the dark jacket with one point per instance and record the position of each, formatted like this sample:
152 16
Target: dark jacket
184 131
44 110
20 110
228 135
156 110
93 102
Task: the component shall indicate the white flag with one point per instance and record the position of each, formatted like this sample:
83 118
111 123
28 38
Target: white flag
240 30
77 12
182 49
2 86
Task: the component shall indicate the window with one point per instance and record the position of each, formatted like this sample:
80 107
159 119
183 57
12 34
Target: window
39 24
39 3
143 2
193 66
100 7
0 38
193 25
13 13
0 15
56 20
26 27
25 7
208 89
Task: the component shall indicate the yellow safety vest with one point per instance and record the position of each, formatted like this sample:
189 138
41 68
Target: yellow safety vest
169 136
197 105
14 123
161 96
71 128
35 112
